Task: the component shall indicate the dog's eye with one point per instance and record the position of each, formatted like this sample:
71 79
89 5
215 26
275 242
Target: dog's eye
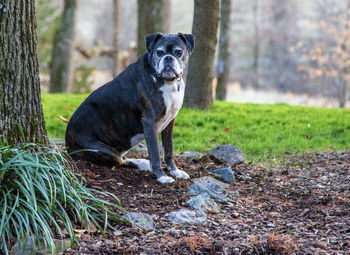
178 53
160 53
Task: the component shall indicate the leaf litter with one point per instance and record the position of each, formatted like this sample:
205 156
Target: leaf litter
299 207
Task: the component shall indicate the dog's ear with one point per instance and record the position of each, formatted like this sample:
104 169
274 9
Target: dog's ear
151 41
188 39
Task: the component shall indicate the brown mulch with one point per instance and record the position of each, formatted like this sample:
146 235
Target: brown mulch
301 207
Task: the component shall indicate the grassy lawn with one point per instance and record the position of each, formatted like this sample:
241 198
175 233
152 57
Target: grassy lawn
261 131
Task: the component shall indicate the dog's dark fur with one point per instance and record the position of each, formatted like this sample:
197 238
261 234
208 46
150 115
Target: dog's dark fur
132 105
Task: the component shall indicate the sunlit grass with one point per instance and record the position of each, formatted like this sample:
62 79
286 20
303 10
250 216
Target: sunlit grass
261 131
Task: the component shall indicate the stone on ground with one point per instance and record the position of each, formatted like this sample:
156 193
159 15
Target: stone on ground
186 217
192 154
37 245
141 220
226 174
204 203
207 180
228 153
213 190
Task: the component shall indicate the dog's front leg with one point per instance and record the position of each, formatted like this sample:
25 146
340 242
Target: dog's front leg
167 141
150 132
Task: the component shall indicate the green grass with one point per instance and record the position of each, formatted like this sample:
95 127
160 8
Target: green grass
261 131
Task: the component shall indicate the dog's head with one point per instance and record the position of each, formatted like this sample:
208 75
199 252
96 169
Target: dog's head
169 53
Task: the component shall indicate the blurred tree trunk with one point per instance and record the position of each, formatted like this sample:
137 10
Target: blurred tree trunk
256 48
223 63
282 24
21 116
166 13
199 85
116 32
152 18
344 91
62 69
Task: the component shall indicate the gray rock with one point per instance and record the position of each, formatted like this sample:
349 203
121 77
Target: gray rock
213 190
143 148
206 180
37 245
192 154
141 220
204 203
186 217
140 148
228 153
226 174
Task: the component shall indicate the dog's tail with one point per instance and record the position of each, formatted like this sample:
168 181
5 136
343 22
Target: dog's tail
63 119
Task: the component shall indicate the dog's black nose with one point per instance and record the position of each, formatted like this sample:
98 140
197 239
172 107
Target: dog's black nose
169 59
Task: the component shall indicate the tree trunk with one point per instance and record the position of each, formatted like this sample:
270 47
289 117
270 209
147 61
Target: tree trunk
344 90
343 93
256 47
223 64
281 24
150 20
166 16
21 117
116 29
62 69
199 85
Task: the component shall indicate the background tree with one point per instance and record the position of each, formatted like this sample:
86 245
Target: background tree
256 43
345 67
116 32
166 13
330 58
281 28
48 19
199 85
21 117
151 19
224 56
62 68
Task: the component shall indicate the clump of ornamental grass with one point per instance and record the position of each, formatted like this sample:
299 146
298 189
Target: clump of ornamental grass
40 195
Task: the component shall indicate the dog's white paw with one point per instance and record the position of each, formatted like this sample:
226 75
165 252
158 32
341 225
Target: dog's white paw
179 174
165 179
142 164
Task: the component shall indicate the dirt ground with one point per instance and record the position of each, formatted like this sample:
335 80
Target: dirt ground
300 207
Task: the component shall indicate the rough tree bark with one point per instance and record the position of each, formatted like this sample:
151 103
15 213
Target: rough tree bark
116 29
151 20
62 69
21 117
199 85
223 63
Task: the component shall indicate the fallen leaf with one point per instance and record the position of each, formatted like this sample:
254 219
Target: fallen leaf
229 128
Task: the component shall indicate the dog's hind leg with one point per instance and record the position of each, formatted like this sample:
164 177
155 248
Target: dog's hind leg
99 153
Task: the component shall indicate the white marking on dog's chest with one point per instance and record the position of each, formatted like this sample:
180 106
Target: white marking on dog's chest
173 95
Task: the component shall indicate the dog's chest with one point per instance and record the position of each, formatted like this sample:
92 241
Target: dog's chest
173 96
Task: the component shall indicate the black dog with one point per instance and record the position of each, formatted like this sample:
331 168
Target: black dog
138 104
